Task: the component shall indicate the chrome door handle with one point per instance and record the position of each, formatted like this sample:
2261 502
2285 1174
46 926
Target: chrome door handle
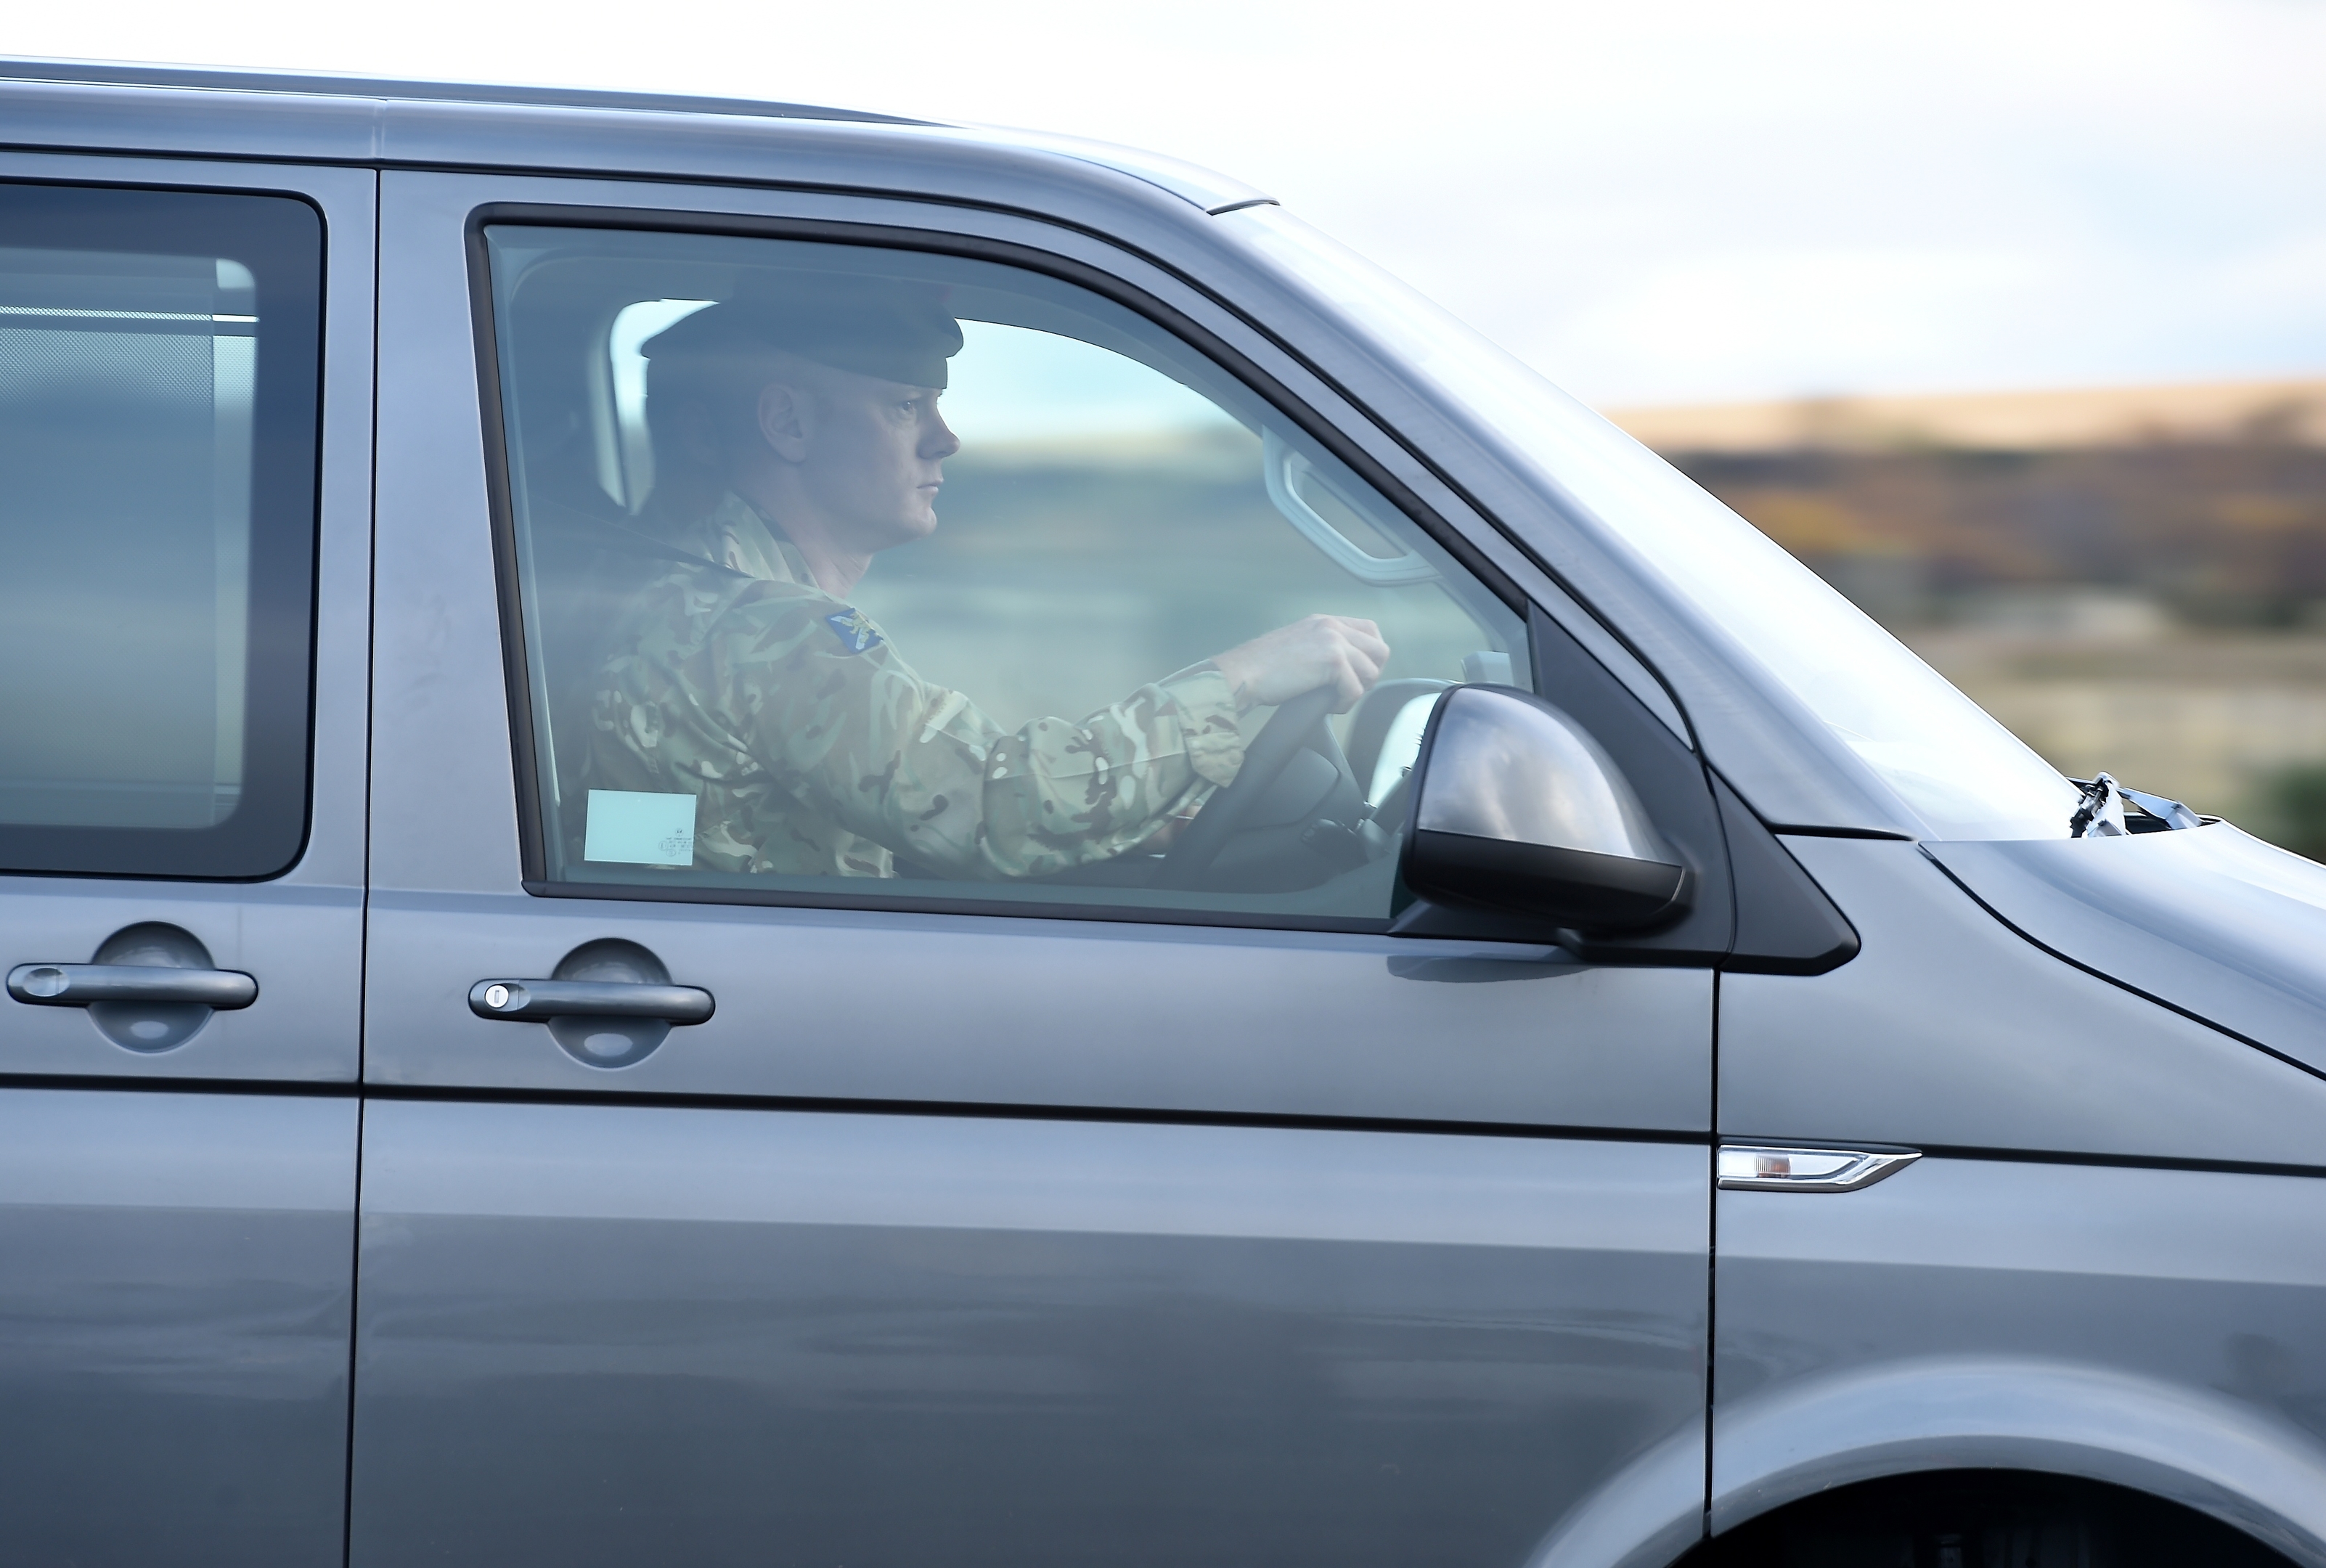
78 985
1764 1168
539 1001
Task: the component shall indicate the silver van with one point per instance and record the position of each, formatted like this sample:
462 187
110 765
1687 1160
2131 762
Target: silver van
1320 962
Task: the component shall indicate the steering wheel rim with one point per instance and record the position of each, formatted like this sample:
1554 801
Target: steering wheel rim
1271 751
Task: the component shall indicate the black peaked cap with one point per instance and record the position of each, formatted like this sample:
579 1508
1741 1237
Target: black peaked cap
880 327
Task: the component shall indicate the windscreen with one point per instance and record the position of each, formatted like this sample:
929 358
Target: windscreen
1951 767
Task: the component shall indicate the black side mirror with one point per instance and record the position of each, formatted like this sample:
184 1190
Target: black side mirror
1516 810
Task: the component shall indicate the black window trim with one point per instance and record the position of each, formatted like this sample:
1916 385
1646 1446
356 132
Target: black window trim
524 749
122 844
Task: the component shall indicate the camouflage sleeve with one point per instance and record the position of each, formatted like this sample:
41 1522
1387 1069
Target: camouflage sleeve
817 697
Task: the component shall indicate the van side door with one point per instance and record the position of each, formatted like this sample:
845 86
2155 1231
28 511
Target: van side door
185 377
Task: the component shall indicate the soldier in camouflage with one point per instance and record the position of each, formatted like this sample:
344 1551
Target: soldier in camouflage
798 435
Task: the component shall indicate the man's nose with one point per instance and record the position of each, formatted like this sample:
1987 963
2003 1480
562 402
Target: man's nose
937 441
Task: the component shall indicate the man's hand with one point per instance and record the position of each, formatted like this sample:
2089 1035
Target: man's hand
1335 651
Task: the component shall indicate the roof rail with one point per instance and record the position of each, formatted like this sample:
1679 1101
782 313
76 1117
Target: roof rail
116 73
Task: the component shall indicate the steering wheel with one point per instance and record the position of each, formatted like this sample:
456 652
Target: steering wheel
1297 724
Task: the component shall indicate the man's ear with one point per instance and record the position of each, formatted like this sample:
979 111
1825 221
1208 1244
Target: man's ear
783 420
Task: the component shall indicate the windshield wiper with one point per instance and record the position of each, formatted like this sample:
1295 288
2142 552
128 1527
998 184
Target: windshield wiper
2100 813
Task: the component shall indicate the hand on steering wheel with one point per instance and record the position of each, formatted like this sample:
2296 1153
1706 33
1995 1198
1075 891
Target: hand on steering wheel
1317 666
1341 654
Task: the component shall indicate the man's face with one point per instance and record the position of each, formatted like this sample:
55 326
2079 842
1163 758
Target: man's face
872 457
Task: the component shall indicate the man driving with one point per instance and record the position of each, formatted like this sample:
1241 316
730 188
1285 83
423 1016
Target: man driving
798 435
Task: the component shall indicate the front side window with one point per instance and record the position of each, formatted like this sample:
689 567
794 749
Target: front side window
854 571
158 403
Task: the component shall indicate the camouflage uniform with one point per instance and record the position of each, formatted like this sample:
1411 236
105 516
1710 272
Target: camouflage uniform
814 749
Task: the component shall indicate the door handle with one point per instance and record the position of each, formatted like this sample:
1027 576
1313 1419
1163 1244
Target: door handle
78 985
539 1001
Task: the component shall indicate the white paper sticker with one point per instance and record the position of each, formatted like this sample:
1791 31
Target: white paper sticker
639 830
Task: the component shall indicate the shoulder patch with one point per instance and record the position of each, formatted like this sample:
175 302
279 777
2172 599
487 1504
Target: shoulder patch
855 631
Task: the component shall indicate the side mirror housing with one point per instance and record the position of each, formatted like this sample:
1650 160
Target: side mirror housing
1516 810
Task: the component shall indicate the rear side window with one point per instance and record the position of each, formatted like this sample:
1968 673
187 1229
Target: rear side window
159 363
856 574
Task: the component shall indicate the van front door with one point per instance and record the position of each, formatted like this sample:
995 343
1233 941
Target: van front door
819 1114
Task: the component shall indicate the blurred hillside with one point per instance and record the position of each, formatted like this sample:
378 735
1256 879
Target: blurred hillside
2133 579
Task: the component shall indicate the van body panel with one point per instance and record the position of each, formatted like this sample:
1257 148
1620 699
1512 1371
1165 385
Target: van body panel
175 1293
2210 920
2158 1329
594 1335
1378 1028
1950 1030
1646 1514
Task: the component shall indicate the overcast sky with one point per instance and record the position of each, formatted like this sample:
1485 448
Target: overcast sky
1652 201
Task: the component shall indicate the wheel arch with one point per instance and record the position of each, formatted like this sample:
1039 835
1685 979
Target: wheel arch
2227 1458
2232 1460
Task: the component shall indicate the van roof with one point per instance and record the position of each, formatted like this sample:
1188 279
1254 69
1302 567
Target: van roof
130 74
383 120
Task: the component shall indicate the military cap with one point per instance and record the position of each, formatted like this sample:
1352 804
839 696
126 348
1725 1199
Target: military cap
880 327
